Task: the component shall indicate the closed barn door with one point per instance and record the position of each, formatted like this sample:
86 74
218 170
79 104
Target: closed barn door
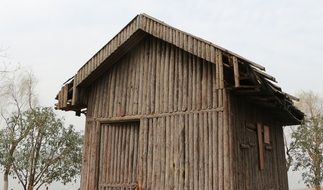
252 159
118 156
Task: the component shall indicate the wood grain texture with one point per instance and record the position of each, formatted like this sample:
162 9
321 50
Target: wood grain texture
189 126
175 97
246 162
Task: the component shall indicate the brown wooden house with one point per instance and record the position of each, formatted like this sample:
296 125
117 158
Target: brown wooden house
168 110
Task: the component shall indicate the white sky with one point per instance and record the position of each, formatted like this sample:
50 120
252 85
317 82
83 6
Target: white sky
54 38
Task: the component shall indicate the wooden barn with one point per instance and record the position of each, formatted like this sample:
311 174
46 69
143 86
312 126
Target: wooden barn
168 110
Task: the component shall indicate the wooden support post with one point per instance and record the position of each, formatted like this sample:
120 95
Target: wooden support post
75 94
65 95
236 71
260 147
60 97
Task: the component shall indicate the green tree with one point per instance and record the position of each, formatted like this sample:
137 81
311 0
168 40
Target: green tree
49 152
307 141
17 95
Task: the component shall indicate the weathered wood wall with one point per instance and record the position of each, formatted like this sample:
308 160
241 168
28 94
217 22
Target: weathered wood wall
247 173
155 78
119 155
91 152
183 151
179 99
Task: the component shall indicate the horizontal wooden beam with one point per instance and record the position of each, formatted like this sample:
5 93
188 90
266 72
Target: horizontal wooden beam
138 117
123 186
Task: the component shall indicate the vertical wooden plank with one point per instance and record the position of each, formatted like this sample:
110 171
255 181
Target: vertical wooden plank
121 157
157 153
191 150
167 153
209 85
150 182
187 153
226 142
190 82
207 150
220 152
199 84
201 169
178 95
215 127
196 150
166 78
141 79
65 98
152 77
109 152
184 88
236 71
102 157
114 154
214 79
135 154
60 99
176 100
194 84
75 94
84 158
146 72
266 135
100 96
221 72
87 156
129 150
162 93
158 73
162 152
171 76
136 83
142 177
204 87
175 145
181 133
129 86
141 147
97 155
171 151
260 147
112 91
105 95
210 152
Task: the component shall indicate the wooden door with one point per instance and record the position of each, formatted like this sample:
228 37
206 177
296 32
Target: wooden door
118 156
252 158
253 169
249 159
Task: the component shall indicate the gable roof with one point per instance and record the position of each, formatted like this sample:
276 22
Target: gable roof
143 25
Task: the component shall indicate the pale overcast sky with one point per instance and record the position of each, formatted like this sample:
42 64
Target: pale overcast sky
54 38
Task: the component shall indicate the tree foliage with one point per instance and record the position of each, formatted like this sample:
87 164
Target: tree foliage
48 152
17 95
35 147
307 141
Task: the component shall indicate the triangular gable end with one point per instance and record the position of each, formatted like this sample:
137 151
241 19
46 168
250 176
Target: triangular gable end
71 97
